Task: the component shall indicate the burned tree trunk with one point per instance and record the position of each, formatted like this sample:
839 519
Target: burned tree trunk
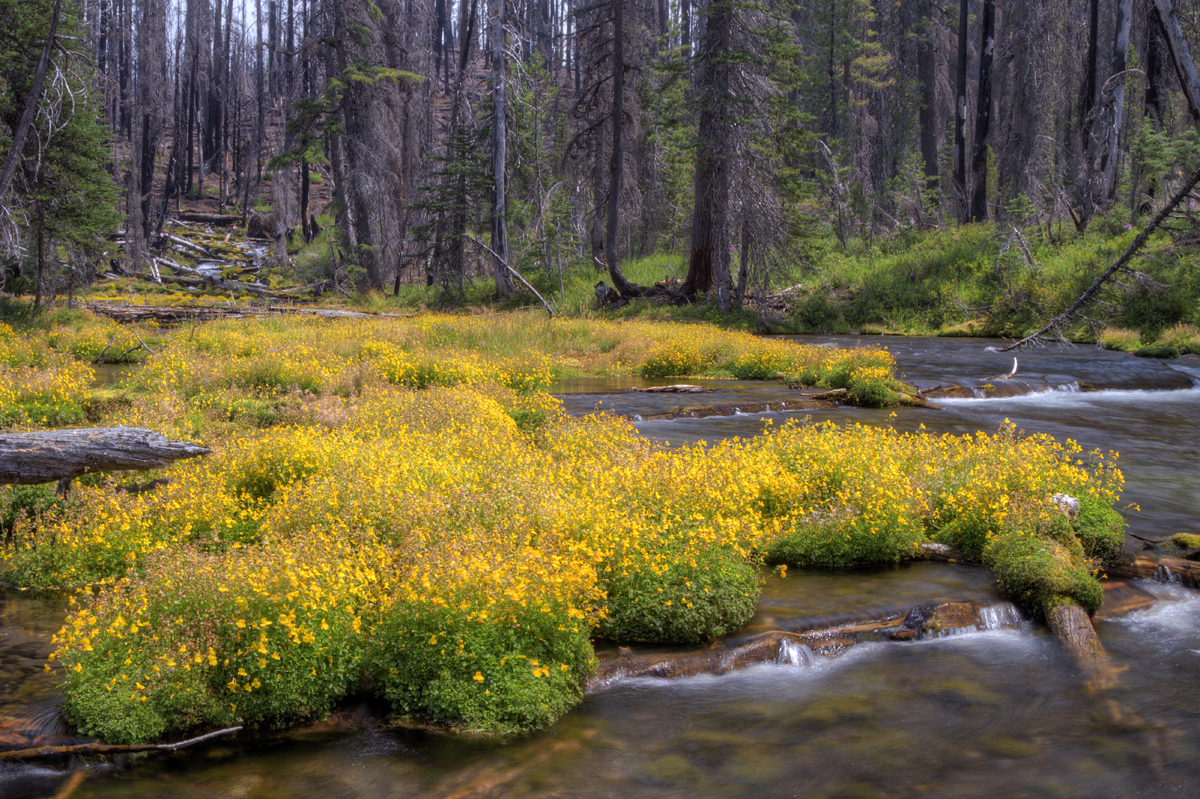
983 114
960 115
1108 162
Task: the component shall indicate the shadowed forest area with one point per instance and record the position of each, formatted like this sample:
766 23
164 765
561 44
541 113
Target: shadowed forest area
819 164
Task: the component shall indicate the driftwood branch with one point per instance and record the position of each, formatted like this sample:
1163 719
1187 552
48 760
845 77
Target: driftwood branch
56 455
1064 318
107 749
515 273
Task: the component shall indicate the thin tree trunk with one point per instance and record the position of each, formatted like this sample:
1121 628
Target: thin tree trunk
31 104
504 283
928 114
960 114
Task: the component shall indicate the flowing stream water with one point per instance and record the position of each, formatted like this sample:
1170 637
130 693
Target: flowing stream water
996 711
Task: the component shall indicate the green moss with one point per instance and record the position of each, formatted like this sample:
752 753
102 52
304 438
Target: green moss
1186 541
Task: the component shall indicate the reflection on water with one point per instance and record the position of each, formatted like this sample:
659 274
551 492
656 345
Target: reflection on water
986 714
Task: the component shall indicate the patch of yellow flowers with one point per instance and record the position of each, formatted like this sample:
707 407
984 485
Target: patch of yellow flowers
454 547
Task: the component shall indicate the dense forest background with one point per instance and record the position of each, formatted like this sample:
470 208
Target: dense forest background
433 141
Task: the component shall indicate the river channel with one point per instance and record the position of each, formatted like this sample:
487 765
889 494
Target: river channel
998 712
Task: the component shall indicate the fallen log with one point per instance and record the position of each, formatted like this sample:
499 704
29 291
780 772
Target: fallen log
1164 570
682 388
57 455
41 752
211 219
781 646
1074 629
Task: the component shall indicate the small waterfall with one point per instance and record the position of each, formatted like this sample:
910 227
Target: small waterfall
1163 574
1000 616
794 654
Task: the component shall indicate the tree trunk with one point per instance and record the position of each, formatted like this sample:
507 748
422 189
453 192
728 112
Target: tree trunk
926 72
45 457
1181 57
31 104
960 114
504 283
709 264
616 165
1108 163
1087 99
983 114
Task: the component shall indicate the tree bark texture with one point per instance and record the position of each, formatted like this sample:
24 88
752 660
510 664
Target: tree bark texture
960 113
708 267
45 457
1181 57
1108 163
983 114
616 164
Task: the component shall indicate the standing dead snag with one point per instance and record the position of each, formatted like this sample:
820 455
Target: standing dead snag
60 455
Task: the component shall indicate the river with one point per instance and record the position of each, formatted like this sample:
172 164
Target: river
986 713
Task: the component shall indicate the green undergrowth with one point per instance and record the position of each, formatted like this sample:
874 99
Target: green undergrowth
976 280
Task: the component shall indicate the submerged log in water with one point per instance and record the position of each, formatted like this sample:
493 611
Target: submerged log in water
797 648
1164 570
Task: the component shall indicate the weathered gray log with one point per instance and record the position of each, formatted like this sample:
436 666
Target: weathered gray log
681 388
54 455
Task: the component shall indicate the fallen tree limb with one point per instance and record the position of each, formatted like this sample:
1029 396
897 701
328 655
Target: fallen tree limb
107 749
515 273
1057 323
55 455
182 242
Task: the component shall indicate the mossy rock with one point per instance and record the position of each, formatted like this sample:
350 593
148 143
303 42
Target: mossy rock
1186 542
1157 351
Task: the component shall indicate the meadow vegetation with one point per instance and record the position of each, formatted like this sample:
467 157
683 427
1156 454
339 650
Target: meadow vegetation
396 508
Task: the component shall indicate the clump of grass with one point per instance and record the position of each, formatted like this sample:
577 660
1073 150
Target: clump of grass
1183 337
1119 338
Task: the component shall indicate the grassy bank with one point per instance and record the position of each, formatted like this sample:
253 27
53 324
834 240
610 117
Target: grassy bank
395 508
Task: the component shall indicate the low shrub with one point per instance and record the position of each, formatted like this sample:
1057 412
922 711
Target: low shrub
1119 338
679 598
1183 337
268 637
1038 563
467 668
